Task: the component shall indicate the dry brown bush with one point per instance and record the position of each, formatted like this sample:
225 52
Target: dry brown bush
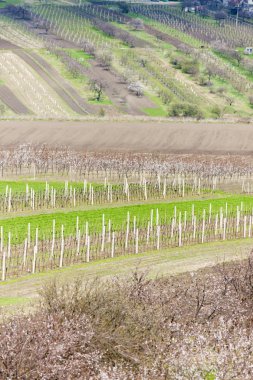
193 326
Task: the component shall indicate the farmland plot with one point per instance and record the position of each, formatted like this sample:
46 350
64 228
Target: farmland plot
199 27
112 67
54 80
18 34
121 213
23 81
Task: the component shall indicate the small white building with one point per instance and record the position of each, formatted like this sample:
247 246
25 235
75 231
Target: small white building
248 50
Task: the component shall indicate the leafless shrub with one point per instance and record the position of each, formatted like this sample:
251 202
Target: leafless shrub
135 88
48 346
248 65
97 87
61 160
193 326
104 59
229 100
89 48
137 24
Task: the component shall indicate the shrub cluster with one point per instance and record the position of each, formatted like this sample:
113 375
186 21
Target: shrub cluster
185 110
187 65
193 326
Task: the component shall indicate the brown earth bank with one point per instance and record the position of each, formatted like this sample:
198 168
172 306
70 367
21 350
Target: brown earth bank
132 136
10 99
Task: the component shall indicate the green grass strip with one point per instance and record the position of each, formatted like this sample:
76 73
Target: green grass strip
118 215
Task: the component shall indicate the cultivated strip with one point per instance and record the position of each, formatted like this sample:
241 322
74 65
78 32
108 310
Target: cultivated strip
55 81
11 101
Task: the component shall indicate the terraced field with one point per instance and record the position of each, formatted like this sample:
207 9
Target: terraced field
36 88
54 80
23 80
100 61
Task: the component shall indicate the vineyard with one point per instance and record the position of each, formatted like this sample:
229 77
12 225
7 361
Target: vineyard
84 228
85 60
126 191
61 208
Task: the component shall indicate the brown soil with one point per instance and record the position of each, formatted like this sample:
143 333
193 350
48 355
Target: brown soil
52 38
6 45
11 101
133 136
164 36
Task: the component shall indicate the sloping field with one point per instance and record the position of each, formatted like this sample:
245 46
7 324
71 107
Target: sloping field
10 99
137 136
26 85
53 79
118 92
139 63
17 34
63 89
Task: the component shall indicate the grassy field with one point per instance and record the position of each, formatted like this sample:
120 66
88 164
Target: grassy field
17 294
22 224
17 225
39 186
20 186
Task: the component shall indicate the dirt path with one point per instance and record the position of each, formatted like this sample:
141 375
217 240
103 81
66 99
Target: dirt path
11 101
164 263
132 136
55 81
7 45
164 36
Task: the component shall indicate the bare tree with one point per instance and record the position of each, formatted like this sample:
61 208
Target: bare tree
237 56
210 72
229 100
104 59
137 24
89 48
97 88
